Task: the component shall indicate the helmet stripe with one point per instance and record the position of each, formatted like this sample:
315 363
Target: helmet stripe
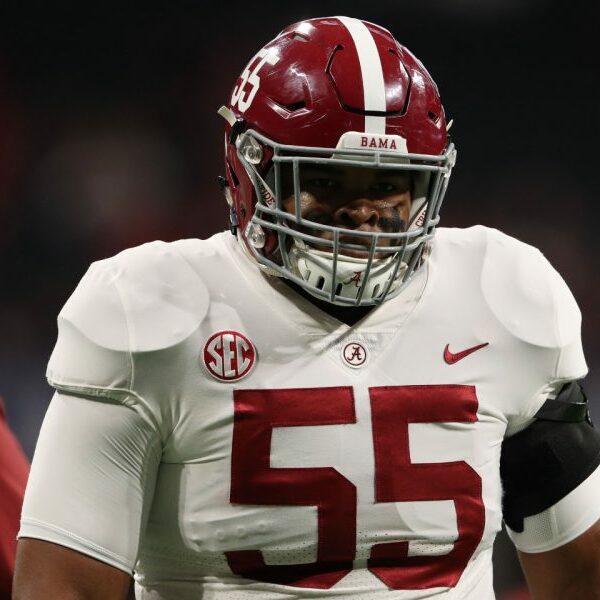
372 73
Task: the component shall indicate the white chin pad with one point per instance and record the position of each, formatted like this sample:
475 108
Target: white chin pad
315 267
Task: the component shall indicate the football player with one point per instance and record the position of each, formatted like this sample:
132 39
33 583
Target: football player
338 401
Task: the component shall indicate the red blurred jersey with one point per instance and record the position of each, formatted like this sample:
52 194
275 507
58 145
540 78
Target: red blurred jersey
14 469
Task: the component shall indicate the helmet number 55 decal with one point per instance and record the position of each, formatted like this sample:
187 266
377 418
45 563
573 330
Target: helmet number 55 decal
251 77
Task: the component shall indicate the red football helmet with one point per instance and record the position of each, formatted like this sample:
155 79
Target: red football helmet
338 91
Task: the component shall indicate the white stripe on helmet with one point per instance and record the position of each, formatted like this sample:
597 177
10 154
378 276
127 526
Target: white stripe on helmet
372 72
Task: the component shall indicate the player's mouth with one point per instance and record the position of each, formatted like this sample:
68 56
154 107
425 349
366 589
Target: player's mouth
354 240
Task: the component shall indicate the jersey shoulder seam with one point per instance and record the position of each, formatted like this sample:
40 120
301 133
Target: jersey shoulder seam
119 394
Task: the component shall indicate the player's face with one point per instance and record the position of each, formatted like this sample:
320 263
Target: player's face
370 200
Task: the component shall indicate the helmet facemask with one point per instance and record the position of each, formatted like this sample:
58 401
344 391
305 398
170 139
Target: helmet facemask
341 265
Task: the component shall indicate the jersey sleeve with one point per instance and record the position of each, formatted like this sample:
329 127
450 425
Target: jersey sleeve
106 433
536 307
92 479
113 366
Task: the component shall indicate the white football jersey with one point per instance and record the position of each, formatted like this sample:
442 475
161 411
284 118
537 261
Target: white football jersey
224 438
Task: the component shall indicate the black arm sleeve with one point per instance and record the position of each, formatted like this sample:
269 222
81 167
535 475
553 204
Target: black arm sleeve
543 463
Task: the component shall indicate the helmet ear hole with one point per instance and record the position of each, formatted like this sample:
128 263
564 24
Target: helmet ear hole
433 117
298 36
293 106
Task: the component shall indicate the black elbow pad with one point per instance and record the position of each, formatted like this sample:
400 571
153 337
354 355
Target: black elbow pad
543 463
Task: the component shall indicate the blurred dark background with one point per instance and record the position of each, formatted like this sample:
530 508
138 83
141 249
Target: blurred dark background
109 138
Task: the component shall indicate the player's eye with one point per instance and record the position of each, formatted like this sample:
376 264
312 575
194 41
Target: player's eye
324 183
384 187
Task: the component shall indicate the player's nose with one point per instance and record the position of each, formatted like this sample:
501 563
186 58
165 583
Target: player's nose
357 213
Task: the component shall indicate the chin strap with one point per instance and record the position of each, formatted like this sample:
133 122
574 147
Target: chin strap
315 267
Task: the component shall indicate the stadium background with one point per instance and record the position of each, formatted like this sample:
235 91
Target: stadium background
109 138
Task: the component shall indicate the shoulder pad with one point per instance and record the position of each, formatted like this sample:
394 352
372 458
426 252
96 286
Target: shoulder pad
141 300
527 295
144 299
164 298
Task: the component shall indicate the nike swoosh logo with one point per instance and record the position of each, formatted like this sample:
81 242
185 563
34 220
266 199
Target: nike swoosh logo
452 357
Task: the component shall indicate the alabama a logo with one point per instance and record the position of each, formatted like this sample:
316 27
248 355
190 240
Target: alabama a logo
356 278
228 355
354 354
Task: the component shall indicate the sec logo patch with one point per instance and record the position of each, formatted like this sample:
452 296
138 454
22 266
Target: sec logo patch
229 355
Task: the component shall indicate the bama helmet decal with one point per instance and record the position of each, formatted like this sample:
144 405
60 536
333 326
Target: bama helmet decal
229 355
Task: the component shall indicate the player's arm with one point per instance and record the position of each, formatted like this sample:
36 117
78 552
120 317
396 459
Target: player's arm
551 477
87 500
48 570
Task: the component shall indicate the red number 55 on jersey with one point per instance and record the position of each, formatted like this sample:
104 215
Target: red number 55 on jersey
254 482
